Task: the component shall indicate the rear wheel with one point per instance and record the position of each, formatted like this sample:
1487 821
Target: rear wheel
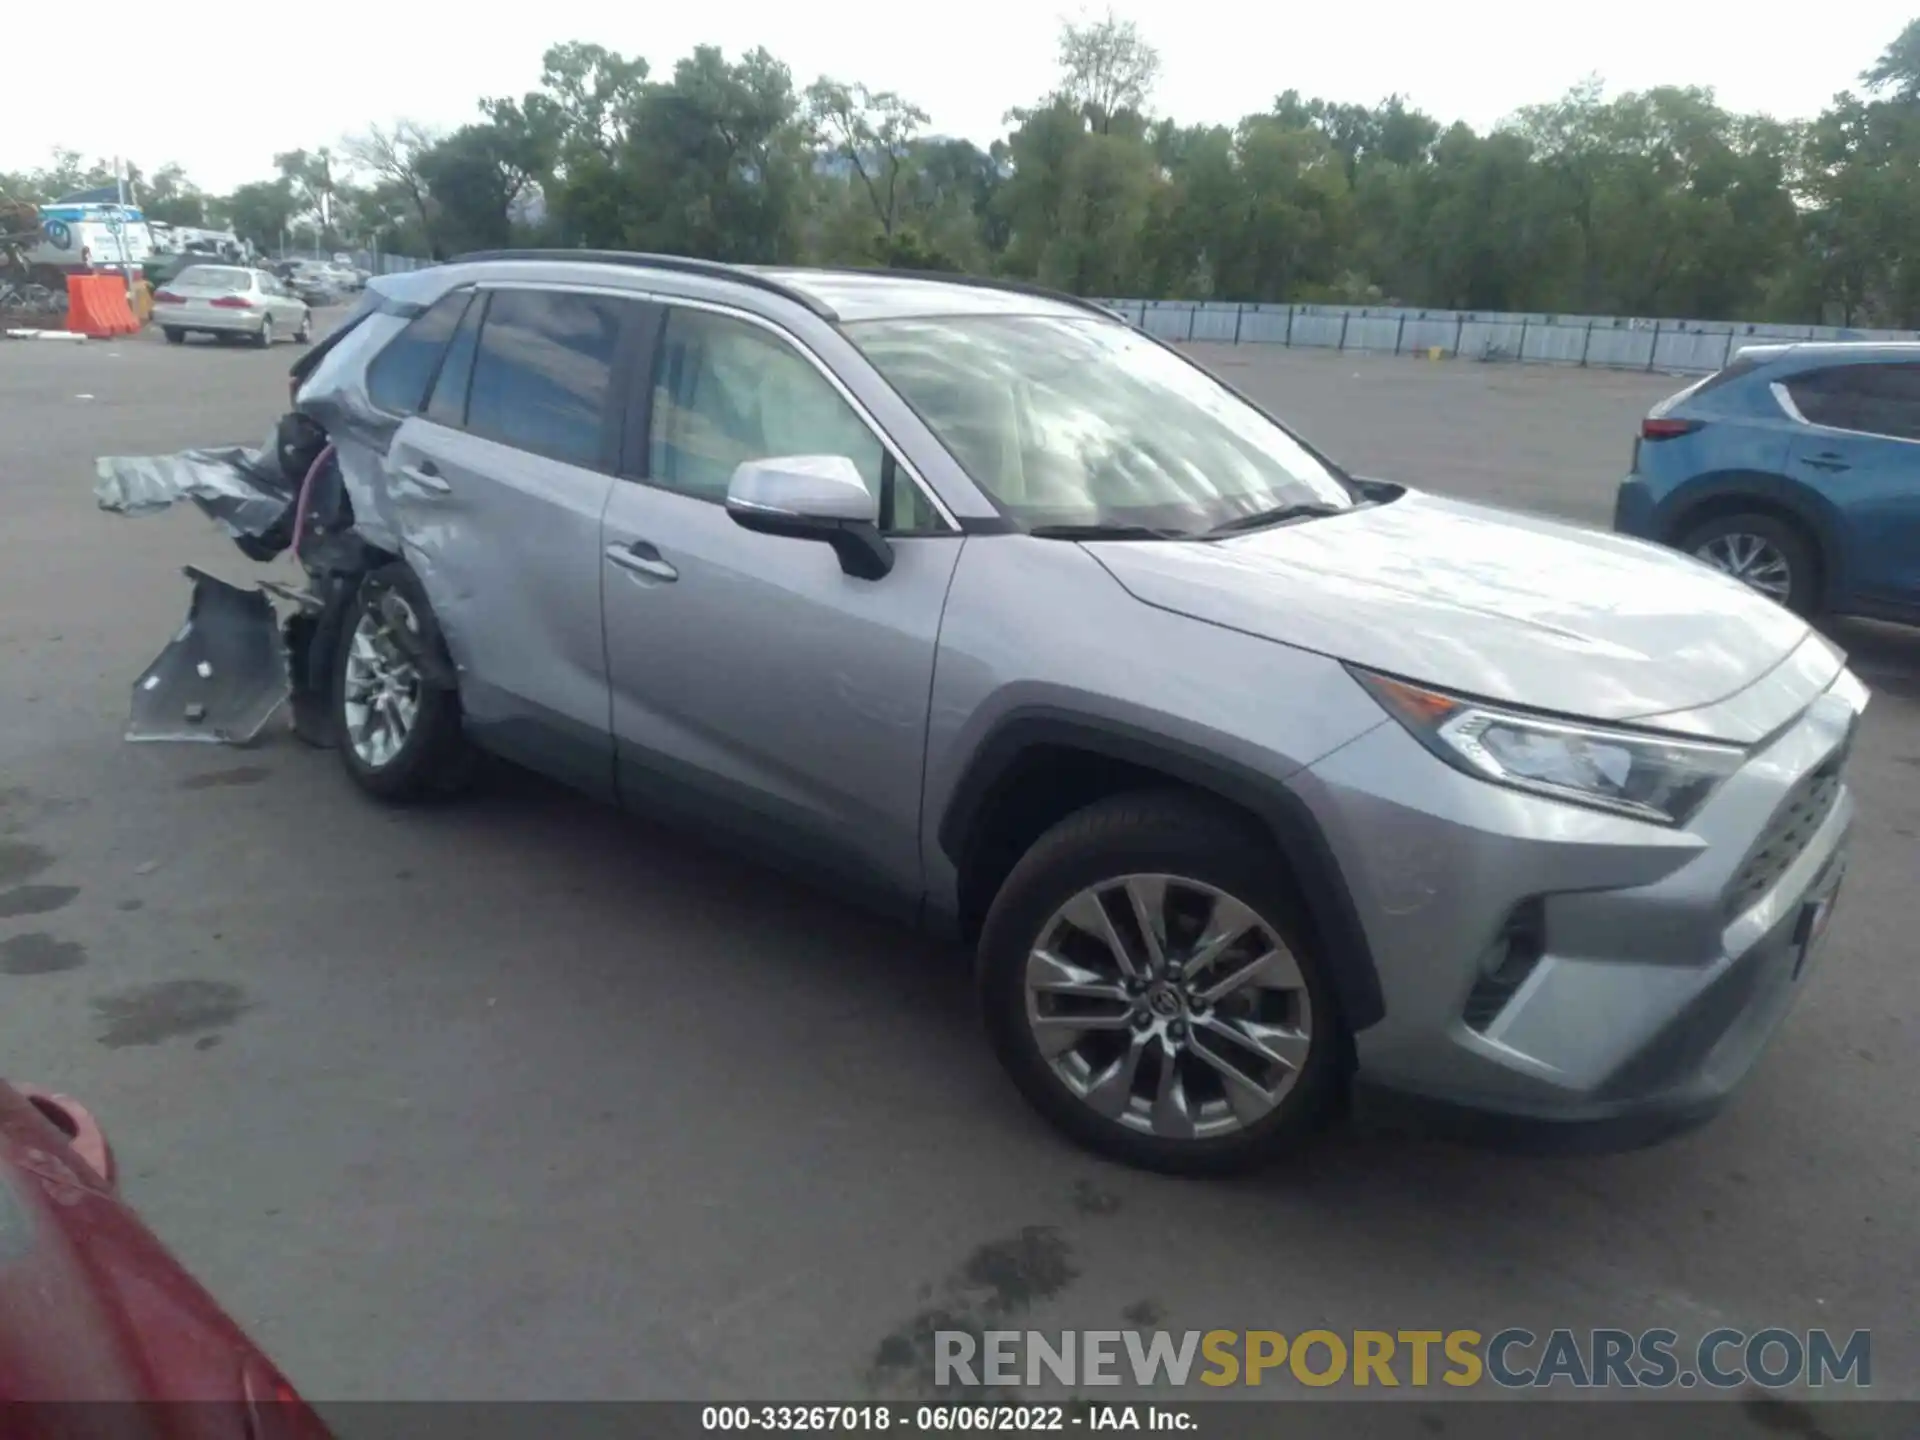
175 335
1148 986
399 733
265 337
304 334
1769 555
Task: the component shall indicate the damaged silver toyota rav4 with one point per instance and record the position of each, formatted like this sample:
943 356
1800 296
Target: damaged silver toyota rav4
1245 778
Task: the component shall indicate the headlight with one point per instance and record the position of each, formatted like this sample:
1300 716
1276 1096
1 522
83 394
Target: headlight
1650 777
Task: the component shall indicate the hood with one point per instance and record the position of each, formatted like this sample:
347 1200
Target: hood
1491 603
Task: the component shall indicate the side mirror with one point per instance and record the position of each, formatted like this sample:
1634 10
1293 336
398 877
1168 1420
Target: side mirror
813 497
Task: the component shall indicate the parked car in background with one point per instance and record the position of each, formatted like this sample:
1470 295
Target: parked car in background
94 1309
1796 469
227 301
313 282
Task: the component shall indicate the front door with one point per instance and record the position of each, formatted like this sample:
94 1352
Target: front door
756 686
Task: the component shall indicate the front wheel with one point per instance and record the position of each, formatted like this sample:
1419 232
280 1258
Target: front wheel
399 733
1148 986
1769 555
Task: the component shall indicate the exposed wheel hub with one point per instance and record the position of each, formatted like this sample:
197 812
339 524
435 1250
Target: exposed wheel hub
1165 1001
382 691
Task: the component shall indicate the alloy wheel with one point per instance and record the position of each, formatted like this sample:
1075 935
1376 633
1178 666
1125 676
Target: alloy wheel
1168 1006
382 684
1753 560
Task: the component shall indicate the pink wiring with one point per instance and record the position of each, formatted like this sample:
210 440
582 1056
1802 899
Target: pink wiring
300 505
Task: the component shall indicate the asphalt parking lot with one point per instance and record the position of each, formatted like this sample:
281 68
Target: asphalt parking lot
520 1099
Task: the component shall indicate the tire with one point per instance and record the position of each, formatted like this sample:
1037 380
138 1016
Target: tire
304 335
1776 545
433 757
175 335
1207 847
265 337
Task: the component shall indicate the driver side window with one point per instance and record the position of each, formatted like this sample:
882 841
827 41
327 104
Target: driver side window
728 391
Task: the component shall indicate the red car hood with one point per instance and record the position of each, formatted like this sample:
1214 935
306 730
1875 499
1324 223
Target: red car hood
94 1308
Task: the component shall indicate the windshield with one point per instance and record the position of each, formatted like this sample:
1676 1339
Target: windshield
1075 422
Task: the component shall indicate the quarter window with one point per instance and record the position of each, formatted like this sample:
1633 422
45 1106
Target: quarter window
543 371
397 380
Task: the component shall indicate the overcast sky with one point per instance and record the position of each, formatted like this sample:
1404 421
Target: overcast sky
302 75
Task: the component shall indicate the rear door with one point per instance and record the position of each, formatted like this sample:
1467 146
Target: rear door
1861 450
498 483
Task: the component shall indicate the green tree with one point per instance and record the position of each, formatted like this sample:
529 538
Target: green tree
477 176
263 212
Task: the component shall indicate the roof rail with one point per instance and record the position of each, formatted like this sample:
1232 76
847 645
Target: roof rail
682 264
987 282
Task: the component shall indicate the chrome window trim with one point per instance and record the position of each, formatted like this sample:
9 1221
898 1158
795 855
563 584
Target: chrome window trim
886 442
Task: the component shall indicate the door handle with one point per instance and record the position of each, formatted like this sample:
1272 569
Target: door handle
1829 461
642 559
427 476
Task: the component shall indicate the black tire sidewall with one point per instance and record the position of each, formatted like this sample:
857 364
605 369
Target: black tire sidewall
1803 595
432 759
1175 839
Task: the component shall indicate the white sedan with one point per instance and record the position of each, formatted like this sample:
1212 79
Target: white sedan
227 300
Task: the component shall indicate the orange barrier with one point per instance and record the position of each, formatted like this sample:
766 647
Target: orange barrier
97 306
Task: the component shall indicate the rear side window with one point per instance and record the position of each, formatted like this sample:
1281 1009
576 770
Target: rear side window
398 378
543 372
1872 399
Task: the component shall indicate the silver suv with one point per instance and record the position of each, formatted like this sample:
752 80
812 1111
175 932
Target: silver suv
1244 777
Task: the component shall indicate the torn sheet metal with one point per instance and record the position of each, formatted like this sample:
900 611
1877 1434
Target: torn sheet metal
244 490
222 677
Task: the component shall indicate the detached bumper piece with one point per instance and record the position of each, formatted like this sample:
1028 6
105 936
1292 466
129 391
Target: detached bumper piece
222 677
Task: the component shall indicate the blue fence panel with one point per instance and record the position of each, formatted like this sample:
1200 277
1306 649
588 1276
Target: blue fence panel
1491 339
1692 351
1318 331
1216 322
1620 349
1556 344
1373 332
1265 324
1432 333
1168 320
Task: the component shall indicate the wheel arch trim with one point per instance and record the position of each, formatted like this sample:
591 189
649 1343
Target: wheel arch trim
1316 871
1786 500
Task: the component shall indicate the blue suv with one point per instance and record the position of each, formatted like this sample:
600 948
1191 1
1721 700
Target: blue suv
1796 469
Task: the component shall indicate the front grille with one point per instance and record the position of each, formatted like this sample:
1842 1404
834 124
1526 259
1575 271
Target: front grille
1786 836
